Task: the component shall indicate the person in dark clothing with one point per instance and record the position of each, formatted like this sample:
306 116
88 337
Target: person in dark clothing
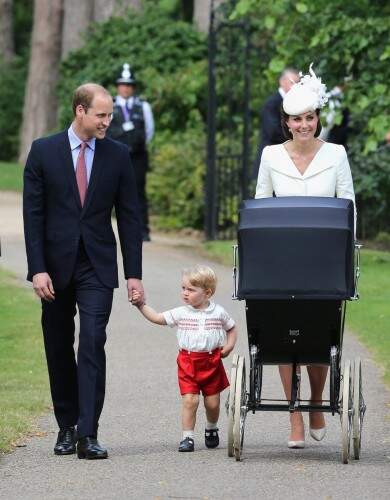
270 117
72 182
133 125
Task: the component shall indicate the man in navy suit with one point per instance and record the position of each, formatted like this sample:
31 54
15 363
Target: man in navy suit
72 181
270 117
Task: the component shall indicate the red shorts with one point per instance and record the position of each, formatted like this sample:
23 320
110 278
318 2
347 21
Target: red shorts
201 372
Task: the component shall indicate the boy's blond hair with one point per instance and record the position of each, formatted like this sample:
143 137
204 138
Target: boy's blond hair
201 276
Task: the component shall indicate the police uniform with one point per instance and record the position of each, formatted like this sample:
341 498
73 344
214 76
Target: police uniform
133 124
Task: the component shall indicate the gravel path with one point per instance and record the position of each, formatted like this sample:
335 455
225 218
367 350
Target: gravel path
140 421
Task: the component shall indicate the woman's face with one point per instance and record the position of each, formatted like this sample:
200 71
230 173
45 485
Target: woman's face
304 126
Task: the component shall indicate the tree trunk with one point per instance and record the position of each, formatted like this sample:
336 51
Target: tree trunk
40 102
104 9
77 17
7 49
202 13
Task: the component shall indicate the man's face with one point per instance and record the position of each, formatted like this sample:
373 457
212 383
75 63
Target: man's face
95 121
125 90
288 80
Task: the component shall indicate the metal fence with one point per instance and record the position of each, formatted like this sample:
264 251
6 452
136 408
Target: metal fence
228 121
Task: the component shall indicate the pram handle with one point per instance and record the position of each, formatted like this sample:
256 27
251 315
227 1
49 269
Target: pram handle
235 250
358 246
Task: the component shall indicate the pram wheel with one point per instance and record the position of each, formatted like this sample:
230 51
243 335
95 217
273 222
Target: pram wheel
346 411
230 406
359 409
239 408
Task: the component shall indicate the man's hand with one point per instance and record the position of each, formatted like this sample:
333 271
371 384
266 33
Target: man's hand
135 285
43 286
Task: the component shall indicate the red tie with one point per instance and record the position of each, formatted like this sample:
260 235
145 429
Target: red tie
81 173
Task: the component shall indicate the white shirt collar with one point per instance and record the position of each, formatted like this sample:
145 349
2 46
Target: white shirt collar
209 308
75 140
282 92
121 101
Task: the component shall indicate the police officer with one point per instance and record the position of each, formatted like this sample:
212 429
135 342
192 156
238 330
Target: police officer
133 124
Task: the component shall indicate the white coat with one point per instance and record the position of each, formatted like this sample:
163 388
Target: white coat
328 174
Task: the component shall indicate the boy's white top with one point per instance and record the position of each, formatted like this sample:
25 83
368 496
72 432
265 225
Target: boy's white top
328 174
200 330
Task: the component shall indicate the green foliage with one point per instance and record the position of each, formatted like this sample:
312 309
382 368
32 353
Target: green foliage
371 174
349 45
22 22
175 184
344 40
168 57
382 240
161 52
13 77
12 83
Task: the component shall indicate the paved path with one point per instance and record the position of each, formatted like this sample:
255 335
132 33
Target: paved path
140 421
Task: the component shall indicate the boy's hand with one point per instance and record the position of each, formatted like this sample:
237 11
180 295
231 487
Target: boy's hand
135 285
136 298
225 351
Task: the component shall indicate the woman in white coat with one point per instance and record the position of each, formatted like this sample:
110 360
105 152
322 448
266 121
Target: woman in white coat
305 166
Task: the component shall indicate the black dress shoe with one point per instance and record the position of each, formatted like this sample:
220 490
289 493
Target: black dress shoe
211 438
89 448
187 444
66 441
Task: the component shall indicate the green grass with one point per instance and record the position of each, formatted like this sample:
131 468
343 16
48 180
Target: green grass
369 317
11 177
220 251
24 390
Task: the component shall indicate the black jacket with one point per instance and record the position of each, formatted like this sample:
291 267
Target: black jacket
54 220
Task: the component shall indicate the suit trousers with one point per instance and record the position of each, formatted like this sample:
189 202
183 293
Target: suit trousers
78 388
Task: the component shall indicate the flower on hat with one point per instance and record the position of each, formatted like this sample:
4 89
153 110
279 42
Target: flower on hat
308 94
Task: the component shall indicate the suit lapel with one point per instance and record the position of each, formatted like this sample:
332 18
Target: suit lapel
67 161
97 166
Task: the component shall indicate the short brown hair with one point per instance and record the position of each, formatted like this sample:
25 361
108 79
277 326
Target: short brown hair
84 95
284 117
201 276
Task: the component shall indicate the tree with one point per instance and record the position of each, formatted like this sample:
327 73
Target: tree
104 9
77 18
7 50
202 13
40 103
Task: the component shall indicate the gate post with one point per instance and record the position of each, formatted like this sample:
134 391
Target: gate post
210 194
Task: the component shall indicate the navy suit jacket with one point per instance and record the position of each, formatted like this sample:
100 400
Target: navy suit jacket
271 127
54 221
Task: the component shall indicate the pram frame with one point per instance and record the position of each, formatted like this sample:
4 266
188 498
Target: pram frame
350 406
